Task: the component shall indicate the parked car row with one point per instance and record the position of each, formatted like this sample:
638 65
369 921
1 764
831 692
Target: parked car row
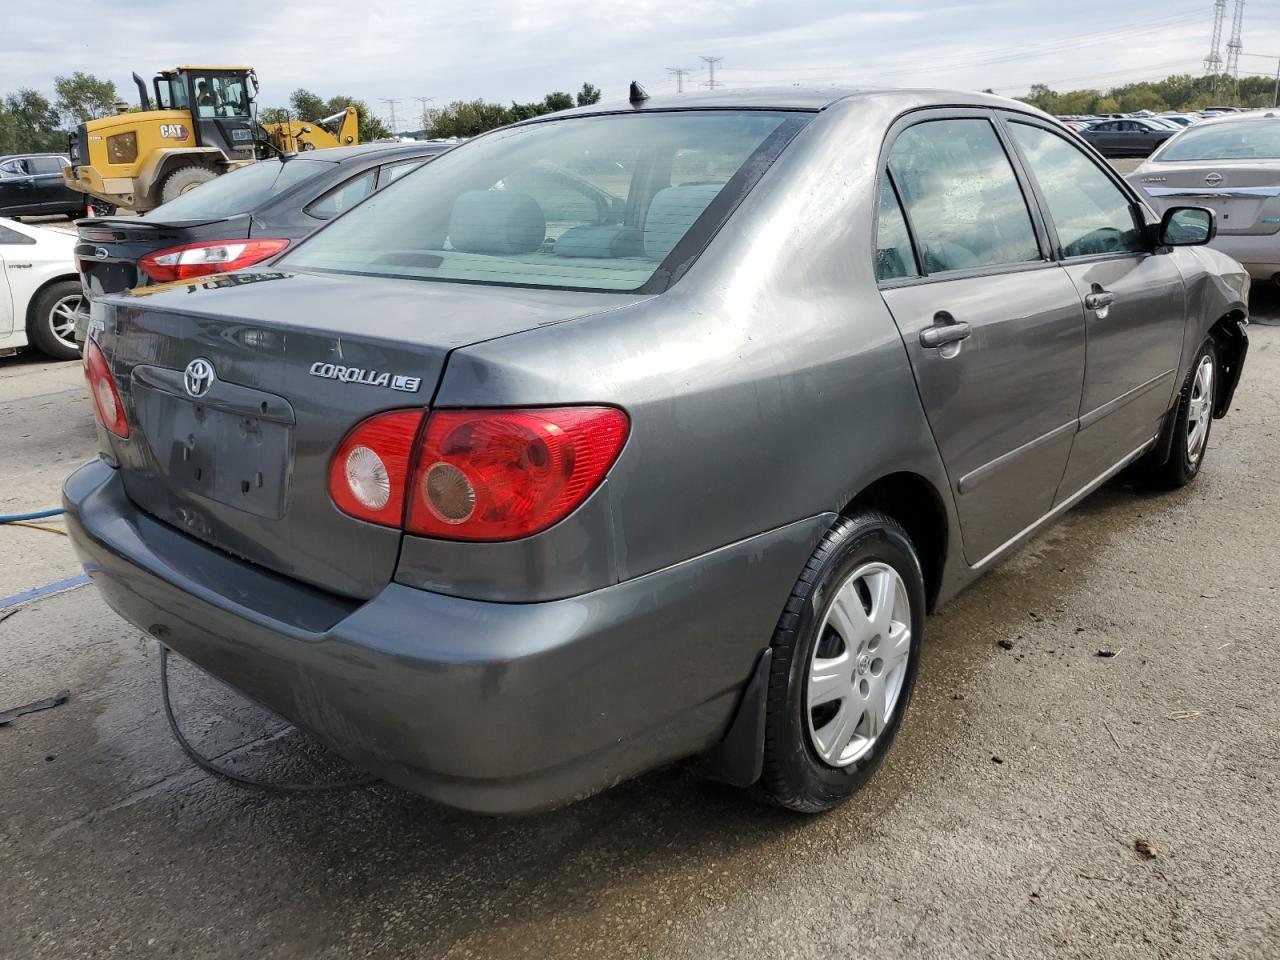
31 185
639 431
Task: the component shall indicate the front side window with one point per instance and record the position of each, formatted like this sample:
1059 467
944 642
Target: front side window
962 196
1238 140
894 258
594 203
1092 215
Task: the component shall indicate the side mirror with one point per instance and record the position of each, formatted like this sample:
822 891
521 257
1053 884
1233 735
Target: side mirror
1187 227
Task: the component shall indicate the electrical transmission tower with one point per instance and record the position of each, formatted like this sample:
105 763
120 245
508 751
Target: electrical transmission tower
1235 45
1213 62
711 70
391 106
423 101
679 73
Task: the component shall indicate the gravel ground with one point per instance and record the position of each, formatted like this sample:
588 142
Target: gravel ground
1004 823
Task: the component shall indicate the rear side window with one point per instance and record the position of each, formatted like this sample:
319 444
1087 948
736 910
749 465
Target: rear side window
241 190
14 238
46 165
588 203
963 198
1090 213
343 197
894 257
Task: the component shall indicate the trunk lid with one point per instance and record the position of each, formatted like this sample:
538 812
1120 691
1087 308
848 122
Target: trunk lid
297 361
1244 196
109 248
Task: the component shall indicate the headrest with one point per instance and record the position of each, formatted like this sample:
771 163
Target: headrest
496 222
671 213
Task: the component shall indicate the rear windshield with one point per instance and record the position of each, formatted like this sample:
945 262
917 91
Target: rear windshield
591 203
1241 140
241 190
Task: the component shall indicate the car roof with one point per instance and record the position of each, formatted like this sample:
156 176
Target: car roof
20 156
1218 120
813 98
382 150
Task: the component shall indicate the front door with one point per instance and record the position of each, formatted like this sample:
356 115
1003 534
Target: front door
1133 299
994 329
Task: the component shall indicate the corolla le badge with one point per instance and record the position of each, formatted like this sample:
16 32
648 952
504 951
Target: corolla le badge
199 377
372 378
1213 179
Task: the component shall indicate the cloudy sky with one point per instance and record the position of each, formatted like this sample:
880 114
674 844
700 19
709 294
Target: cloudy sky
520 49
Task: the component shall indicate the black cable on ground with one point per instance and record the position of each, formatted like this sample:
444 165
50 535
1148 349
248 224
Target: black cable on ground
204 763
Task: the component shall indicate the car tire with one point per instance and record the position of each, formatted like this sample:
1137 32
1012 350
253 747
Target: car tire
859 663
52 321
1192 424
184 179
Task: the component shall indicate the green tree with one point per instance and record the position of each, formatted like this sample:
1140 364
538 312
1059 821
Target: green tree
588 95
32 124
559 100
306 105
83 96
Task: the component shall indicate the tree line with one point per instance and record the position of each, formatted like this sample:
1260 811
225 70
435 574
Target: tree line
31 122
1181 92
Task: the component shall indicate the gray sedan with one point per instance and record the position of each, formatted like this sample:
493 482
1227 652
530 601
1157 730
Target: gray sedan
508 489
1131 137
1231 166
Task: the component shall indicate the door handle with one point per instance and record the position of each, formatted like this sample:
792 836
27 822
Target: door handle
944 330
1099 300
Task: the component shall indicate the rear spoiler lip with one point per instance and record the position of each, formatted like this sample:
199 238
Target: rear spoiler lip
139 222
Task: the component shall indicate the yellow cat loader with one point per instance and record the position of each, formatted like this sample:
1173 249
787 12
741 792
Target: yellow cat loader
202 124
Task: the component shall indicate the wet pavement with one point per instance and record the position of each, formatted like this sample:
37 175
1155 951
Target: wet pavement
1002 825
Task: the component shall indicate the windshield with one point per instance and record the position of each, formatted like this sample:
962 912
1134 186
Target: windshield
240 191
1237 140
595 203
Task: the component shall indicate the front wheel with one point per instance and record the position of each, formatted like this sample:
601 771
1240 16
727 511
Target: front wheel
52 326
1193 422
845 655
183 180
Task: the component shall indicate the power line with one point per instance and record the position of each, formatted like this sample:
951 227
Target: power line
711 70
679 73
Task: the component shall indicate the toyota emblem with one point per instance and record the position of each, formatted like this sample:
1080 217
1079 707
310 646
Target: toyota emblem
199 377
1213 179
101 253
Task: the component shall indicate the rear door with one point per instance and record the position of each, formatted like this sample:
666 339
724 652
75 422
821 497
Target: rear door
993 328
1133 299
18 195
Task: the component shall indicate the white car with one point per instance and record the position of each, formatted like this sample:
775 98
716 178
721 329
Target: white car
40 292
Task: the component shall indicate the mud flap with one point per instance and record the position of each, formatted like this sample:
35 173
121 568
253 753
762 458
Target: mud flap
739 757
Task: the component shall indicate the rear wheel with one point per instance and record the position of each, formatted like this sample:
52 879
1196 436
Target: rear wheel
52 325
845 655
1193 422
184 179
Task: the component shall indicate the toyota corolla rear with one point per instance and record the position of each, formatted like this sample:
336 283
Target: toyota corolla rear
427 574
1231 166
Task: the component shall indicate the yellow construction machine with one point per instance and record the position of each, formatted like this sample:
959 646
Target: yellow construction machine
203 123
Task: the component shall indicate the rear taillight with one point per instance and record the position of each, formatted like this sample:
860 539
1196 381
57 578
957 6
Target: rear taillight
505 474
209 257
476 474
370 472
102 391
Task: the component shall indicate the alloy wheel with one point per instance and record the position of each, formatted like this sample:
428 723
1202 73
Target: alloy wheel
62 318
859 664
1200 409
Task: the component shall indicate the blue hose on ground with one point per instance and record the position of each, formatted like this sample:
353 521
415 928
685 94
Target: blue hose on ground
38 515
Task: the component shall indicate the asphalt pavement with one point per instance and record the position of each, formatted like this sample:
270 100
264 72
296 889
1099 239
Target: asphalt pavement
1042 800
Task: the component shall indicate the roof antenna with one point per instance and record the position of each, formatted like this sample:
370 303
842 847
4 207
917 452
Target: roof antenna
638 96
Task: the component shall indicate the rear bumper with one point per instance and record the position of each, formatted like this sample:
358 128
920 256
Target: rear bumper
499 708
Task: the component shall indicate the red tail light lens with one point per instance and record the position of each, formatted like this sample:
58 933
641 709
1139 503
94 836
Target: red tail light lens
505 474
370 471
102 391
209 257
